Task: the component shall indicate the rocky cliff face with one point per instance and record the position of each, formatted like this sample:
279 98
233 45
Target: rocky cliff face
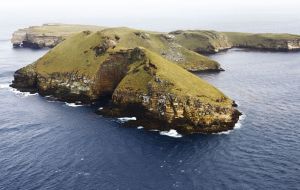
25 79
75 86
186 114
293 44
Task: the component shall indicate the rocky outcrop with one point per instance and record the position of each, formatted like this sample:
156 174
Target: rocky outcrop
292 45
186 114
25 79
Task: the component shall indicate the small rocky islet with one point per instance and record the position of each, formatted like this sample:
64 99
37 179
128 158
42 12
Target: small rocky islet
143 73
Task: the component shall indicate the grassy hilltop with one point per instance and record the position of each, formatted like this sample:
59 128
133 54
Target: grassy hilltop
81 48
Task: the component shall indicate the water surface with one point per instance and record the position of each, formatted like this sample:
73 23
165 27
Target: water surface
49 145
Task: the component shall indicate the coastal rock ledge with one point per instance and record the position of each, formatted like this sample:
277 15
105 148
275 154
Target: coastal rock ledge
138 82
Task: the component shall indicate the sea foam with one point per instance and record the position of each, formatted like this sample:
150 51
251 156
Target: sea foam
15 91
22 94
171 133
4 86
238 125
73 104
125 119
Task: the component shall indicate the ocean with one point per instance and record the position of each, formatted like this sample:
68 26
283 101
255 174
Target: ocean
46 144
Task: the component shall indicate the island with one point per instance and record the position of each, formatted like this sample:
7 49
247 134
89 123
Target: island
201 41
143 73
137 71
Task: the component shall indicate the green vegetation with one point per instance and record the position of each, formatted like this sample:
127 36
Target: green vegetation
268 40
62 29
175 80
77 55
73 55
77 52
156 42
272 36
206 41
83 53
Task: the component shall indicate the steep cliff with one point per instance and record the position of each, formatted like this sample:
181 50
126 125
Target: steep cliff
90 66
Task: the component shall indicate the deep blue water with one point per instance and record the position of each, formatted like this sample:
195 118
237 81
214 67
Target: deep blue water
48 145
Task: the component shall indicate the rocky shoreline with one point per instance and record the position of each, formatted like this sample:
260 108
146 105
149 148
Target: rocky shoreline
146 119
